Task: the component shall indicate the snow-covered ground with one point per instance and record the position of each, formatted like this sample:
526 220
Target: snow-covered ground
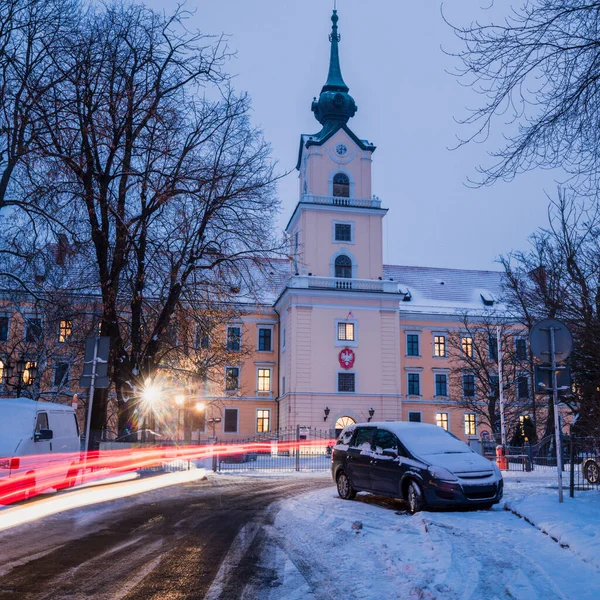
320 546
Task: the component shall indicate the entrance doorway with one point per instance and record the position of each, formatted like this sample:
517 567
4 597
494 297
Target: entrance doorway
341 423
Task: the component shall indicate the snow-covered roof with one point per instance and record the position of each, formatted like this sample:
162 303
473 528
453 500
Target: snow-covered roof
445 291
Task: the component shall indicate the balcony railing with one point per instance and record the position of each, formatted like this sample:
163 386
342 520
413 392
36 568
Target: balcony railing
343 284
375 202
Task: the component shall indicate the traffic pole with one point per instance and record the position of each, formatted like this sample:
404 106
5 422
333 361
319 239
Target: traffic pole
501 389
90 404
556 419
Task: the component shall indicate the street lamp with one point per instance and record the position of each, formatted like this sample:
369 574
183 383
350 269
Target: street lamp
371 413
27 373
326 411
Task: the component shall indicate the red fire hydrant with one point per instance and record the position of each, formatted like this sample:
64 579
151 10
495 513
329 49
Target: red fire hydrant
501 459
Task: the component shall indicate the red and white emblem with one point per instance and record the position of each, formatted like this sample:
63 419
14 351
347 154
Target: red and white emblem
346 358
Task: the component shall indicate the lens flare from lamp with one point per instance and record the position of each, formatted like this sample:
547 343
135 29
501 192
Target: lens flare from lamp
179 400
199 406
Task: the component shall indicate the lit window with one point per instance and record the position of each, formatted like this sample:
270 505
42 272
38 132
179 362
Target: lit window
468 382
263 421
1 372
232 379
343 232
470 424
441 384
439 345
264 340
29 373
467 346
345 332
264 380
441 420
341 185
343 267
65 331
412 344
234 339
414 384
346 382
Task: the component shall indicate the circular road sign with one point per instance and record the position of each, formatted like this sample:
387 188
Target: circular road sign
539 338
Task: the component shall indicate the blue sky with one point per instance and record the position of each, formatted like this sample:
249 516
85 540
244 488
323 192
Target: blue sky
392 60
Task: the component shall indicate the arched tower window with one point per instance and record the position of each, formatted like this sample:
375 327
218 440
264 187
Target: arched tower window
343 266
341 185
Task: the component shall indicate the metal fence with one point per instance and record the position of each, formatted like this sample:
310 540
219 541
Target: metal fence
293 449
584 461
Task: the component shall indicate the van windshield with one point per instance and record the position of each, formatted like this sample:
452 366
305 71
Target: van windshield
434 440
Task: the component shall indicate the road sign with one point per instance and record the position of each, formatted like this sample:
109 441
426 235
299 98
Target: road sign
543 379
539 339
101 358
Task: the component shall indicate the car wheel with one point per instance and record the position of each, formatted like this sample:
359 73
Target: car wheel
344 487
416 502
591 471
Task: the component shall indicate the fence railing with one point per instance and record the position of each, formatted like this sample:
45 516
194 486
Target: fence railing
343 283
341 201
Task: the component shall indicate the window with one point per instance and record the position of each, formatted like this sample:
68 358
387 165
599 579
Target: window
41 422
467 347
441 420
414 417
232 379
345 332
283 338
468 383
264 380
3 329
470 424
494 386
441 384
28 377
386 440
283 385
1 372
264 339
230 424
202 337
61 374
364 435
343 267
263 420
33 329
234 339
341 185
521 348
493 347
65 330
346 382
296 241
414 384
439 345
412 344
343 232
523 387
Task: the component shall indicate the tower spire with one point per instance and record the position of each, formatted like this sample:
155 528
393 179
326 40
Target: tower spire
335 106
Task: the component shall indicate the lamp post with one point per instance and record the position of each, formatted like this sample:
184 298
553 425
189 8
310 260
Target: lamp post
371 413
180 401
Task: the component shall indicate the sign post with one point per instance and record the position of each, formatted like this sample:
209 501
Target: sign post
551 339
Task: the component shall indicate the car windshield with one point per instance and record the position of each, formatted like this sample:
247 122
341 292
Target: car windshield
432 440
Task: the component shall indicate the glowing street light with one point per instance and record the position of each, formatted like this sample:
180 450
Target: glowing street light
151 393
179 400
199 406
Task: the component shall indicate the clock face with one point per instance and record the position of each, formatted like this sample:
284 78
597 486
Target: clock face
341 150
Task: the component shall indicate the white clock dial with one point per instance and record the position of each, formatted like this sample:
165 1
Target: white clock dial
341 150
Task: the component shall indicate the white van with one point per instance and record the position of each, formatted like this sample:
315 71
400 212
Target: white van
39 447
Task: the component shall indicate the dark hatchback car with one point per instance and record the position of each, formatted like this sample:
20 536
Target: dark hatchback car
420 463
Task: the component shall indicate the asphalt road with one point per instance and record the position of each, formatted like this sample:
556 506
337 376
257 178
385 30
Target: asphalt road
166 545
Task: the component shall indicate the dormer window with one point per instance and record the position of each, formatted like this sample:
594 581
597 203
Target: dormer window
343 267
341 185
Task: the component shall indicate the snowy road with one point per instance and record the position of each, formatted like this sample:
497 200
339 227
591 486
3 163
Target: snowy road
312 551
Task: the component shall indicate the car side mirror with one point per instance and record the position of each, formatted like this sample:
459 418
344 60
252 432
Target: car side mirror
391 453
43 434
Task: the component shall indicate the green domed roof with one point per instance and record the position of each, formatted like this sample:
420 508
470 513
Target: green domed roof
335 105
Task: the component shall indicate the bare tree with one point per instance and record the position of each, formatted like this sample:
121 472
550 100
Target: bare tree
164 176
474 379
537 72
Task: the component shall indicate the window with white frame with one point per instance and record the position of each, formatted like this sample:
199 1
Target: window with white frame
65 330
441 420
467 346
492 347
342 232
346 382
341 185
33 329
230 420
232 379
234 338
345 331
4 322
470 424
1 372
412 344
441 384
523 387
264 380
414 416
520 348
439 345
61 374
468 385
265 335
263 420
414 384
